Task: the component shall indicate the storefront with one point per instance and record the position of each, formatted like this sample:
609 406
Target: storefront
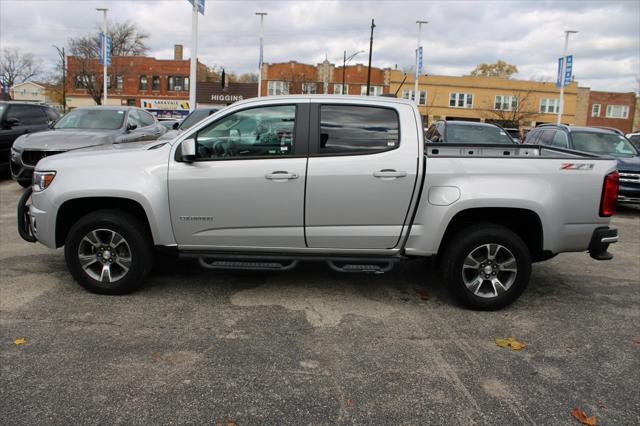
212 93
166 108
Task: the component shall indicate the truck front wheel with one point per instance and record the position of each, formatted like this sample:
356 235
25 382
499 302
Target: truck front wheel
108 252
486 266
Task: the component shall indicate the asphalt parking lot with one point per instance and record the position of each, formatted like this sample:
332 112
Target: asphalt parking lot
316 347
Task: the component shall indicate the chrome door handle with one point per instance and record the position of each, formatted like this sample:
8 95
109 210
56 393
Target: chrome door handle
281 175
389 173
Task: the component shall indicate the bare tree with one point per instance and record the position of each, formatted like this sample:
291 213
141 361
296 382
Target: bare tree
515 114
16 67
127 40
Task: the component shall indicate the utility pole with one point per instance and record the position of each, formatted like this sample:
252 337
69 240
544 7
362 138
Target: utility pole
416 92
262 15
193 71
373 25
104 54
64 78
564 70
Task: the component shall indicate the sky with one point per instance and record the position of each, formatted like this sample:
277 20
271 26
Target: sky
459 35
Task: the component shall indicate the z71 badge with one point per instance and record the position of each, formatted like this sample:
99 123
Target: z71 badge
576 166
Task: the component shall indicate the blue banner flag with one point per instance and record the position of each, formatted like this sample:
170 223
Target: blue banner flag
419 69
568 73
199 4
109 47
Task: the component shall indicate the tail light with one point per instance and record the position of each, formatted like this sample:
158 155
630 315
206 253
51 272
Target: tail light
610 194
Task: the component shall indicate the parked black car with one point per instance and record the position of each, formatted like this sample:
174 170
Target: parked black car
82 128
18 118
467 132
600 141
194 117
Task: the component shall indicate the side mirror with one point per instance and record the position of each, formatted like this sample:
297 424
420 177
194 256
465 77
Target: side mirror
175 125
131 127
188 150
11 122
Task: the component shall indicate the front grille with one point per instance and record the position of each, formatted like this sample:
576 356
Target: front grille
31 158
630 177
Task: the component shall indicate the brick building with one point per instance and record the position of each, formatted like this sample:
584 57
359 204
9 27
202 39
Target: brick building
612 109
296 78
161 84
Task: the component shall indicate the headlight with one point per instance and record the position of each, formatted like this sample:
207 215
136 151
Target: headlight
41 180
15 155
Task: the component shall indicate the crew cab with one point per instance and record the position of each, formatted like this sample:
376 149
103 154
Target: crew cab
268 182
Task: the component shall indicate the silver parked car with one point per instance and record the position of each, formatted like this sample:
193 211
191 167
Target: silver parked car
81 128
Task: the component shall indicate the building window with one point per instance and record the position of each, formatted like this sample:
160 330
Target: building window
551 106
178 83
595 110
278 88
119 82
408 94
143 82
82 81
308 88
506 103
155 83
617 111
337 89
461 100
373 90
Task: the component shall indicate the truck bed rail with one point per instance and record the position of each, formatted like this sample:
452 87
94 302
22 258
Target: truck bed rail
501 151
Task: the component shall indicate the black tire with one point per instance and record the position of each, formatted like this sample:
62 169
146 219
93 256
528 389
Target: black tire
24 183
465 243
139 251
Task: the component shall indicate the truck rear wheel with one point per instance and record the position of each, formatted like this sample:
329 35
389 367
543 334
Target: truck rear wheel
486 266
108 252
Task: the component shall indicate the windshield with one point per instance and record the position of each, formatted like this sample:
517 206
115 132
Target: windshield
92 119
195 117
476 134
603 144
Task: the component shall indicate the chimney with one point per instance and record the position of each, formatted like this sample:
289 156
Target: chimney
177 52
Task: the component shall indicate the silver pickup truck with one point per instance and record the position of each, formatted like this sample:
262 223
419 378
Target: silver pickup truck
269 182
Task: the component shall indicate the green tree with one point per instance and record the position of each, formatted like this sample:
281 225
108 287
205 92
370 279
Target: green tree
500 69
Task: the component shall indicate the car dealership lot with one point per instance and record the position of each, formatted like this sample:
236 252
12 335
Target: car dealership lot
315 346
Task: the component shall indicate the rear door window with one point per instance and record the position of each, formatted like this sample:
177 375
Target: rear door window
145 118
27 115
350 129
560 140
546 137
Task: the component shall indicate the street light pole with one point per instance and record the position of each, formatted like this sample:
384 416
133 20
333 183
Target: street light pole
64 78
262 15
104 54
416 93
344 66
193 70
563 72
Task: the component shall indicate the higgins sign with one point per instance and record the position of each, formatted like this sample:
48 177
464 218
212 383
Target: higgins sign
226 98
211 92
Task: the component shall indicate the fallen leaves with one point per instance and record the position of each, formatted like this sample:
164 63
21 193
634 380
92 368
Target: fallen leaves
351 403
422 294
20 341
511 343
581 416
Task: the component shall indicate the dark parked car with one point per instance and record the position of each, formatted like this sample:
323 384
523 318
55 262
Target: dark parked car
82 128
596 140
18 118
514 133
634 138
467 132
194 117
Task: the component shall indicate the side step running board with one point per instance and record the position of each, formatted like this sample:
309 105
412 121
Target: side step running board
361 267
239 264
